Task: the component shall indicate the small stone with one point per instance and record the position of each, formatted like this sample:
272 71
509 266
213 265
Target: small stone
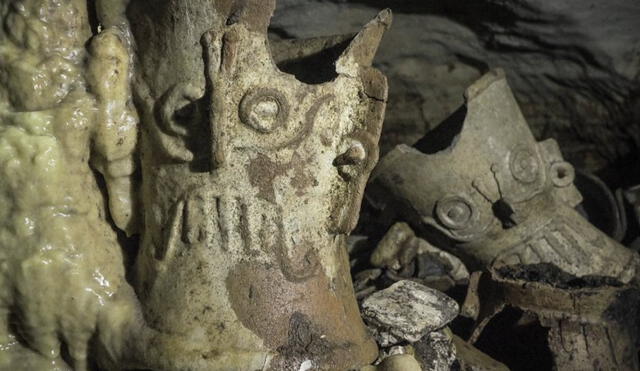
394 351
362 279
436 351
363 282
429 267
406 256
440 283
400 362
407 311
386 253
452 266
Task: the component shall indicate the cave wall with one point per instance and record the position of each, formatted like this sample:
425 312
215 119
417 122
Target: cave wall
574 65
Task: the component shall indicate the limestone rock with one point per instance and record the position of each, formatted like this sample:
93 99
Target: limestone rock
400 362
443 351
363 282
436 351
407 311
65 116
387 252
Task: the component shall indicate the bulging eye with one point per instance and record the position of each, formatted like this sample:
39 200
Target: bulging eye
455 212
264 110
524 165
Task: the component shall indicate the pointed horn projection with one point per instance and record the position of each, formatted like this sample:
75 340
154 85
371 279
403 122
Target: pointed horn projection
363 47
254 14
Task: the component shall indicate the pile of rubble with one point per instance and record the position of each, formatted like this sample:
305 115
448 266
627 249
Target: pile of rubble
410 315
547 289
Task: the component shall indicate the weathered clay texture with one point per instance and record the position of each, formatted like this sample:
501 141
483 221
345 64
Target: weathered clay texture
252 180
481 184
592 321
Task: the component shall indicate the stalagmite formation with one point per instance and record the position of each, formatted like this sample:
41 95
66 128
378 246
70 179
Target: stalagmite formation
62 107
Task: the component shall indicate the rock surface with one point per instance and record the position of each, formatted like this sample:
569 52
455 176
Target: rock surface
400 362
436 351
403 255
407 311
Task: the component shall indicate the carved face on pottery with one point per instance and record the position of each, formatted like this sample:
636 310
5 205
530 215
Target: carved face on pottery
481 180
252 181
483 155
299 153
306 150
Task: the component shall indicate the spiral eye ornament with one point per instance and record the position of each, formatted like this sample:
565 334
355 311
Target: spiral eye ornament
264 110
455 212
524 165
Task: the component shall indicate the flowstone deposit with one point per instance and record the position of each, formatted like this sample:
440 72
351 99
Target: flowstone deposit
61 106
